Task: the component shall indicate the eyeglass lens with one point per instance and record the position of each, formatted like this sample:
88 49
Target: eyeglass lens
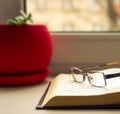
77 74
97 79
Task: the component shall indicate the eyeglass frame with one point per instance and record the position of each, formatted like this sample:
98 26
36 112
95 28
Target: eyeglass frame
85 74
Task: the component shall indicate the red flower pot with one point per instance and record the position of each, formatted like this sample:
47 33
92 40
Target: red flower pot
25 53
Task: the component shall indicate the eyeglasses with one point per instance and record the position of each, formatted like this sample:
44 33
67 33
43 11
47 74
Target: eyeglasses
95 78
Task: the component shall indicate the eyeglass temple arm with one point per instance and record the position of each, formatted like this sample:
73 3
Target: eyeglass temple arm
112 75
102 65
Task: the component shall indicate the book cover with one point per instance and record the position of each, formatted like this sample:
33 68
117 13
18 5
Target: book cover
64 92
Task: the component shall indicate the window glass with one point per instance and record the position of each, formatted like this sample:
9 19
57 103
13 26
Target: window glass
76 15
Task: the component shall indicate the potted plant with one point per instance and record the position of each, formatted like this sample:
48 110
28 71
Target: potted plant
25 52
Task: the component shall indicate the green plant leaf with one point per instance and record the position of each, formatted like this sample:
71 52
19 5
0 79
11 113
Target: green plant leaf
22 19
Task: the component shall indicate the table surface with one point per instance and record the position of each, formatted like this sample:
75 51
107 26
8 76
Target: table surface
23 100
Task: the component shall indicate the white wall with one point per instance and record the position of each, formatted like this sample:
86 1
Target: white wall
9 9
84 49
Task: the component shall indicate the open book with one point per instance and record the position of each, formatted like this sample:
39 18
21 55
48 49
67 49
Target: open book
64 92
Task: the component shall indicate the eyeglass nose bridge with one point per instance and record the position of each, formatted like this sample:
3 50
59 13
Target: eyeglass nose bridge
84 76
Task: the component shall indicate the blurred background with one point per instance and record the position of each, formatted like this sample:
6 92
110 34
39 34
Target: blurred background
76 15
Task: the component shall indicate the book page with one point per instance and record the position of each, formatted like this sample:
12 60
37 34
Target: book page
68 87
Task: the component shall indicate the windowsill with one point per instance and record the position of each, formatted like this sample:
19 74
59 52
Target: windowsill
24 99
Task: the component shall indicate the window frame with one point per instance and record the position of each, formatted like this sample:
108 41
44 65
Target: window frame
75 48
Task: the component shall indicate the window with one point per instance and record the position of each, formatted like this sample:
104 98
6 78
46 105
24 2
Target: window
84 31
76 15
